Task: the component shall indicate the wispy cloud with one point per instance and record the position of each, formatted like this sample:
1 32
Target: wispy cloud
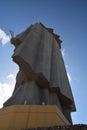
11 76
4 38
6 88
64 54
69 77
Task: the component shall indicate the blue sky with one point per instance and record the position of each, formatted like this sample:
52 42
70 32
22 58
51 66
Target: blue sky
68 18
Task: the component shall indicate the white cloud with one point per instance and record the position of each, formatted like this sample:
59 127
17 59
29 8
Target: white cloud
4 38
69 77
7 88
11 76
63 52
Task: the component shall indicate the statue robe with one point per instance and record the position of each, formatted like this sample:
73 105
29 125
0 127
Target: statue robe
39 57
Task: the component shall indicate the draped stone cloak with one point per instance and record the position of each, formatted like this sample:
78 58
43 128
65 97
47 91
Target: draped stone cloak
38 54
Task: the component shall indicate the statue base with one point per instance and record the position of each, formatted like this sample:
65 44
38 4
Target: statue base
31 116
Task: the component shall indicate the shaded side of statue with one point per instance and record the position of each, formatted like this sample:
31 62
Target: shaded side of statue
42 77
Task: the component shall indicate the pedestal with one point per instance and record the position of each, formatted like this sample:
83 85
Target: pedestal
30 116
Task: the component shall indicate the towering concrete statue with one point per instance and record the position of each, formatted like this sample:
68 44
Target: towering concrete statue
42 78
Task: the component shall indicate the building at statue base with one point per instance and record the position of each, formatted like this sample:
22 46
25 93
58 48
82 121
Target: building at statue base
42 96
